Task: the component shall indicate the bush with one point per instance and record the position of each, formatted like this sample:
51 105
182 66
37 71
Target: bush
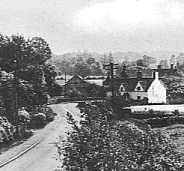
101 144
48 112
38 120
158 122
40 116
7 130
147 115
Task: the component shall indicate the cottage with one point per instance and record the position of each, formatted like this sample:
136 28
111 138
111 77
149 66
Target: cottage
138 88
79 87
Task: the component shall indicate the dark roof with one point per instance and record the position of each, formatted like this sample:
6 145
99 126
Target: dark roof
166 71
76 79
130 83
146 73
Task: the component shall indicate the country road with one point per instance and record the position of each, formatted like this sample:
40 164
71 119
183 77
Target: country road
43 156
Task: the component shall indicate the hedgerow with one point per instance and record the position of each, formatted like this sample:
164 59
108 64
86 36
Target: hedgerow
100 143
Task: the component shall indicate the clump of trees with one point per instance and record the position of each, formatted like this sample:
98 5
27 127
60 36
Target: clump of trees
145 61
101 143
26 60
175 90
7 130
83 64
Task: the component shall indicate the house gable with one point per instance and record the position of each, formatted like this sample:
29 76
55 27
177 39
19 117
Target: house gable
75 80
121 88
157 92
138 87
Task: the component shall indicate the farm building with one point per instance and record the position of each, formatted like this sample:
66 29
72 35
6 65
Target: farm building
76 86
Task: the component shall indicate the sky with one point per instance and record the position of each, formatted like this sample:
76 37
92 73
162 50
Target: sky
97 25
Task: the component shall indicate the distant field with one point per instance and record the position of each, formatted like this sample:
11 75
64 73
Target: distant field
168 108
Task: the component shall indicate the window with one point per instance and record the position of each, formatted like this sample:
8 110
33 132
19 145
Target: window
138 88
121 89
138 97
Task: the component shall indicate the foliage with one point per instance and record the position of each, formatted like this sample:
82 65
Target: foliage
49 113
147 60
93 90
158 122
40 50
141 63
7 130
99 143
26 60
16 53
38 120
26 94
50 74
164 63
174 86
83 65
82 69
40 115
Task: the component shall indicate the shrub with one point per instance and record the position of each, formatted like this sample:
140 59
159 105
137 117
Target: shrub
7 130
38 120
176 112
165 121
101 144
40 116
48 112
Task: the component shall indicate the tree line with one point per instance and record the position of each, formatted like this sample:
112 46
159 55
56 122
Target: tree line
81 65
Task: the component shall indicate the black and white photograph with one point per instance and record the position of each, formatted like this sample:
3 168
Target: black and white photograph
91 85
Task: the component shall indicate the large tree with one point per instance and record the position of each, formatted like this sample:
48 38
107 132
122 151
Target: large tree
39 50
26 60
17 53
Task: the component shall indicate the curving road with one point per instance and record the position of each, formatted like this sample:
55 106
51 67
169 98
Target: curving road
43 156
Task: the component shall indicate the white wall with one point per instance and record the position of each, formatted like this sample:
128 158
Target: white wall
121 93
108 93
157 92
142 94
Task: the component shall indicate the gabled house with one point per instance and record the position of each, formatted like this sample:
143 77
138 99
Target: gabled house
79 87
137 88
76 81
75 86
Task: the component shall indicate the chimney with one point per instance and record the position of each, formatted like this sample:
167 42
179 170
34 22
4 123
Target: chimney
172 66
124 67
156 75
159 66
123 73
139 74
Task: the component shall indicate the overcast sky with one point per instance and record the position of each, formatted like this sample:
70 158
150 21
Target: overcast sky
98 25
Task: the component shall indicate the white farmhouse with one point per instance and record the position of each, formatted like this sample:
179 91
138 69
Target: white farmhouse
156 92
138 88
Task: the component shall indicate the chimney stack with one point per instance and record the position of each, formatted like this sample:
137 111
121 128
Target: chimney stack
123 73
124 67
139 74
159 66
172 66
156 75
